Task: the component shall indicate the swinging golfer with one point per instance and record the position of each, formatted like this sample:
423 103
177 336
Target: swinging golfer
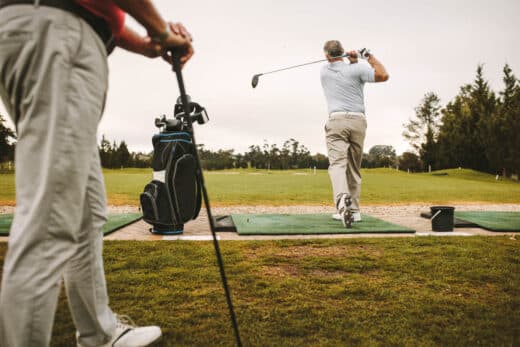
53 82
345 129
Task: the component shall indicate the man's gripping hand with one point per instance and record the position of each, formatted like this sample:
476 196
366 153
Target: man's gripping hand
175 36
352 57
365 53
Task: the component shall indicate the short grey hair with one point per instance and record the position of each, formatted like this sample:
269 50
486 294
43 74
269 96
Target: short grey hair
333 48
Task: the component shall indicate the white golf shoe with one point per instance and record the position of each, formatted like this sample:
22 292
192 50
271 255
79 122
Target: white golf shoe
343 206
356 215
127 334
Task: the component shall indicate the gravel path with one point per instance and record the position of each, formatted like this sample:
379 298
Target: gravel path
380 210
406 215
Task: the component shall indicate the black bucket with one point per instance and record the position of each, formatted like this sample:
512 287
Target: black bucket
442 218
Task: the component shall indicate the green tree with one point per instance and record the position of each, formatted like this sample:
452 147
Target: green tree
461 139
319 160
255 157
382 156
502 139
422 131
410 161
105 152
123 154
7 138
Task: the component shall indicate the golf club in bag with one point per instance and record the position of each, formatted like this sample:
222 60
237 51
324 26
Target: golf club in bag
188 112
364 53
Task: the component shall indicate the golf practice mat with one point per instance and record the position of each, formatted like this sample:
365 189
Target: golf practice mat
492 220
489 220
294 224
114 223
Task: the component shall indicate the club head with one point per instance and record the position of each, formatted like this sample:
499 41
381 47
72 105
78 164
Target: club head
254 81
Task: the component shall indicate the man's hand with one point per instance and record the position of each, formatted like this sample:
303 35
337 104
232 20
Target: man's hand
352 57
178 38
365 53
166 35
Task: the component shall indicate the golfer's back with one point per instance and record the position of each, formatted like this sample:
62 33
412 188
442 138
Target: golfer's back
343 85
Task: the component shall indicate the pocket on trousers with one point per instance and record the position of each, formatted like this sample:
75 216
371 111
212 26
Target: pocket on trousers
15 36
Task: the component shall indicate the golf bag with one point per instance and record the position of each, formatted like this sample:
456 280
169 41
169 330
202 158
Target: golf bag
174 195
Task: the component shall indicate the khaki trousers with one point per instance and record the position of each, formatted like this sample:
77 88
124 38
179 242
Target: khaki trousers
345 134
53 81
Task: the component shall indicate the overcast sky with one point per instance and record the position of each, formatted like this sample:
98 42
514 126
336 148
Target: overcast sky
425 46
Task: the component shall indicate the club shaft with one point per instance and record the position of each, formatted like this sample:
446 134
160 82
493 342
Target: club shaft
184 98
295 66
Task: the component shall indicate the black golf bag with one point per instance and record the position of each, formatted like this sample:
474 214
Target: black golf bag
174 195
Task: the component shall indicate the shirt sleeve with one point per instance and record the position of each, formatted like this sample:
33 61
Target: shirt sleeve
366 73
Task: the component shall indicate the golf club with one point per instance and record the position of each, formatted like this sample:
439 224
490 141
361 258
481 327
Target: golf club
176 57
254 81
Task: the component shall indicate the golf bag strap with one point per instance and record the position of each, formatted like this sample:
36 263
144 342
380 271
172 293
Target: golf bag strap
98 24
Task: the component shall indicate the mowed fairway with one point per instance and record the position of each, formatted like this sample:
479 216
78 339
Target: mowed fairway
302 187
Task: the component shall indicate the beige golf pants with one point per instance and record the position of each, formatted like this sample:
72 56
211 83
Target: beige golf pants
345 134
53 81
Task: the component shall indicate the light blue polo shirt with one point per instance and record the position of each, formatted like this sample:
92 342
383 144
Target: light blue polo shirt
343 85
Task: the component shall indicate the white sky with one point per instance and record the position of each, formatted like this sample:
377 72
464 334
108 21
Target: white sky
425 45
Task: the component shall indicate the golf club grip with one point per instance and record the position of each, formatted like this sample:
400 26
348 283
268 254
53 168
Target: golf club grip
176 63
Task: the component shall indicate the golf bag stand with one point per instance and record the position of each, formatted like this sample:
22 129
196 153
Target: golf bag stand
184 101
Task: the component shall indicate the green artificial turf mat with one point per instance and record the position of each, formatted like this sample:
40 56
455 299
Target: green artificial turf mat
5 224
284 224
492 220
115 222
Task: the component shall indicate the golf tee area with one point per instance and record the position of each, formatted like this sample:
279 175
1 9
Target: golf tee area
419 288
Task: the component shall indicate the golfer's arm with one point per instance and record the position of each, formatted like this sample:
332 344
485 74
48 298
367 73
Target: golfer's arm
380 74
145 13
131 41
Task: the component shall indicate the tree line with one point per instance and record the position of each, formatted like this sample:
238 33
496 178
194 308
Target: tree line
117 156
290 155
478 129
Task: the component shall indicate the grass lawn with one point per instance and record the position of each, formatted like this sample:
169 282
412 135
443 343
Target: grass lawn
408 292
295 187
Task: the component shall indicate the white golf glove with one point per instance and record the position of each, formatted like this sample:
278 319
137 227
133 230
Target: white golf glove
364 53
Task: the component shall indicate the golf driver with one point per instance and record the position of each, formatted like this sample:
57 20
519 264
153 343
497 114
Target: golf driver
364 53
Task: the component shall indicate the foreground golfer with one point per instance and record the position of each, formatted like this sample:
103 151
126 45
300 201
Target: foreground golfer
345 129
53 82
